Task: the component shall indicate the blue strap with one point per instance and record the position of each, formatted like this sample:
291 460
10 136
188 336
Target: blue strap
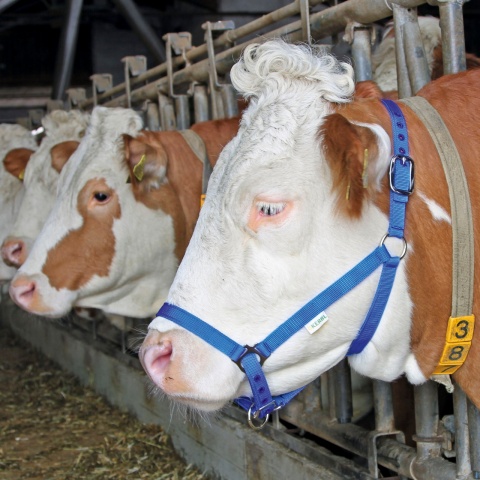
401 170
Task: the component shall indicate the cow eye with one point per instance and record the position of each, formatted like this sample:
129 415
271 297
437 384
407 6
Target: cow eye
270 209
101 197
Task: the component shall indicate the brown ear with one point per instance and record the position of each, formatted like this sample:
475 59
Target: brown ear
348 150
16 160
61 152
367 89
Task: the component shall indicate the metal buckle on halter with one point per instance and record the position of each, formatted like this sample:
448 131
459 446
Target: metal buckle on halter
249 349
404 159
254 416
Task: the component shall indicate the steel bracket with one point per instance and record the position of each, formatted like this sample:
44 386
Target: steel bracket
134 66
101 82
353 27
75 96
180 43
372 449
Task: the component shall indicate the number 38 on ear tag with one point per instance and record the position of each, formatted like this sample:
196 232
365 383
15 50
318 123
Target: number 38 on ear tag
457 344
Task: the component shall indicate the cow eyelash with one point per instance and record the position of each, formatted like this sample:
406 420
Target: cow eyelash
270 209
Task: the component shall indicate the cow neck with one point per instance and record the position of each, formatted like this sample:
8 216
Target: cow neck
250 359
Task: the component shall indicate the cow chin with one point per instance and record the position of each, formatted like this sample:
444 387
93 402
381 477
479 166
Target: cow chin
189 371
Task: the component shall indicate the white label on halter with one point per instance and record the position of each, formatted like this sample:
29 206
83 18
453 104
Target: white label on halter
316 323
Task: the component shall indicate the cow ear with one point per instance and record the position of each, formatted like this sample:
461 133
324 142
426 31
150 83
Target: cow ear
352 153
16 160
61 152
147 164
367 89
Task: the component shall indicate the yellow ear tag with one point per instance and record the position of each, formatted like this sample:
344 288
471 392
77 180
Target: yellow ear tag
202 199
138 168
21 175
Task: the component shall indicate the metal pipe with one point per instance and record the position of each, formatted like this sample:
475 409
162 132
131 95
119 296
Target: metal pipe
453 37
182 109
426 421
323 24
461 433
362 52
343 392
383 406
200 103
415 56
167 113
4 4
66 50
142 28
403 80
390 453
229 100
474 433
152 116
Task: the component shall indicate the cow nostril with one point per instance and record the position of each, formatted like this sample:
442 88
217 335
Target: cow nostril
13 253
155 360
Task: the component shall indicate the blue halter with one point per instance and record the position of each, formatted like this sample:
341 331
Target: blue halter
250 359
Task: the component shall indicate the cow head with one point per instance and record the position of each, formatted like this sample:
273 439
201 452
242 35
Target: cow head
16 146
289 210
63 131
111 228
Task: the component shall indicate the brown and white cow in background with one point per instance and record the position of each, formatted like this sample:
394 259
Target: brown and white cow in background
63 132
11 179
278 227
127 203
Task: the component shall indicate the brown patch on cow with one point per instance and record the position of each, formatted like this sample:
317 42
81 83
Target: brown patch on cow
216 134
90 249
367 89
152 188
348 150
61 152
429 261
16 160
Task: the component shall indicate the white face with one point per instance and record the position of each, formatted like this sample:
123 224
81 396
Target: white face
99 247
269 238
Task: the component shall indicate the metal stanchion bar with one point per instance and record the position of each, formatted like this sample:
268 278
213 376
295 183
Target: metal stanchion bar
403 80
461 433
474 434
66 50
383 406
390 453
453 36
343 392
323 24
200 103
360 37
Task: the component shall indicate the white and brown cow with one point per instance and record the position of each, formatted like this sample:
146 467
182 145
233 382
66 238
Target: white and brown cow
19 139
63 132
126 207
294 203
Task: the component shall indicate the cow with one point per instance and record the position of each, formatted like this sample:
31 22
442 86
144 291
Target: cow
297 199
15 139
127 203
62 134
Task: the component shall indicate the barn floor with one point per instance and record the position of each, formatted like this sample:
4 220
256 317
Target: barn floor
52 427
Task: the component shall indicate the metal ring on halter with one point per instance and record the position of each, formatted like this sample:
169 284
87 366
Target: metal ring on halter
404 251
251 417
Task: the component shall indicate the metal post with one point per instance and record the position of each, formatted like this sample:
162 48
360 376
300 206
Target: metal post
66 50
474 431
426 420
343 392
461 433
229 101
200 103
403 80
4 4
305 16
167 113
453 36
152 116
361 38
142 28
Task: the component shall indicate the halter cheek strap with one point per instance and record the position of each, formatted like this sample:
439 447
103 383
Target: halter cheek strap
250 359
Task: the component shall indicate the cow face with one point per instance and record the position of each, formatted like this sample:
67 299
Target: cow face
63 131
113 209
276 229
18 141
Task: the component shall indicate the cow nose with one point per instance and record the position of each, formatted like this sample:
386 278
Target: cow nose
22 290
14 252
155 355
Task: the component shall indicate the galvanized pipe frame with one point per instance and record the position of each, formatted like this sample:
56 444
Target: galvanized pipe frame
322 24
